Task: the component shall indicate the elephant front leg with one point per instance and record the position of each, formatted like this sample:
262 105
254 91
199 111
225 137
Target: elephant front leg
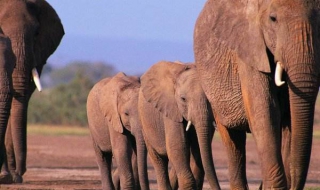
122 152
235 143
179 153
263 112
104 160
160 164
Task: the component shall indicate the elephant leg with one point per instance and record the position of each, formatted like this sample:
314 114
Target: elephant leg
134 163
122 152
160 164
179 154
173 179
104 161
263 112
116 179
286 146
235 143
5 106
197 170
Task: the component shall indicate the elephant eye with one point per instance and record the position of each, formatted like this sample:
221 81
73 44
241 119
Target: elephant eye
273 17
183 98
126 113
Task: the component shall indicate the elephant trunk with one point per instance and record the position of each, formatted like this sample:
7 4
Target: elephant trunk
204 130
21 78
303 89
302 69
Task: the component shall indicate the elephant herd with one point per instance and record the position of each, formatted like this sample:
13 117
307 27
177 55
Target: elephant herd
164 113
257 70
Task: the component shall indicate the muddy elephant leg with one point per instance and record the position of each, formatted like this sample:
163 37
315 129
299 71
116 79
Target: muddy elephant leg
104 161
235 143
179 153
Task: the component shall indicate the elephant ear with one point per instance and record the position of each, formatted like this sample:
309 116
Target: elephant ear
231 26
157 86
114 89
50 31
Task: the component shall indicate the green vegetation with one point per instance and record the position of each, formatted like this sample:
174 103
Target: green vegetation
65 103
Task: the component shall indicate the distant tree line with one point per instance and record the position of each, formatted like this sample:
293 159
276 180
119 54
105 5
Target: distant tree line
63 100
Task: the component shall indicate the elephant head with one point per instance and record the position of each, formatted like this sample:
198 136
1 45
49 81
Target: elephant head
119 105
174 89
261 35
35 31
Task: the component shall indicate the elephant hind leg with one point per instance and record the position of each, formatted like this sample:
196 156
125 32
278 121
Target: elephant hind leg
104 161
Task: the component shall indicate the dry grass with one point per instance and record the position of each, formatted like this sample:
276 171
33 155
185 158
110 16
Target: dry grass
53 130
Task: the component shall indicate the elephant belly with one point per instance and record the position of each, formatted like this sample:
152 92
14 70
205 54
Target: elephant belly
221 83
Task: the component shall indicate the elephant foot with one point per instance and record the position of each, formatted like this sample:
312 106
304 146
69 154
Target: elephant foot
16 178
6 179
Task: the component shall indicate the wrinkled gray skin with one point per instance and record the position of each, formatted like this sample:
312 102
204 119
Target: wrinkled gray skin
35 31
7 63
170 96
237 45
114 123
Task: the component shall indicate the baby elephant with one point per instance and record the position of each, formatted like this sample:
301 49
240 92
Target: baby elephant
112 109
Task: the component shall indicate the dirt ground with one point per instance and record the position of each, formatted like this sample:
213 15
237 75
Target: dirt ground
68 162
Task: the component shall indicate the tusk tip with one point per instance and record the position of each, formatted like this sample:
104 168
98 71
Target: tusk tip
280 83
188 126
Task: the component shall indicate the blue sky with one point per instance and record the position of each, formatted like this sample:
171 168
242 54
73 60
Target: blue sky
113 30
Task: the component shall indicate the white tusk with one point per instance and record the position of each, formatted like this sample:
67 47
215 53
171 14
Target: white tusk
36 79
278 75
188 125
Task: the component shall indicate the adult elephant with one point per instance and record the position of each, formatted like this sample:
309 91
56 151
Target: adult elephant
114 123
35 32
171 101
239 47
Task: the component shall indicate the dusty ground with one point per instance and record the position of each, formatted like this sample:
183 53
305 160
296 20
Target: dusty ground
67 162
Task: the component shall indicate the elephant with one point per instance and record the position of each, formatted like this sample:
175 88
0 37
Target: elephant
35 31
258 62
115 127
172 101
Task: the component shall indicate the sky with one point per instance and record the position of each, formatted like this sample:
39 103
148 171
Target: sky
132 35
